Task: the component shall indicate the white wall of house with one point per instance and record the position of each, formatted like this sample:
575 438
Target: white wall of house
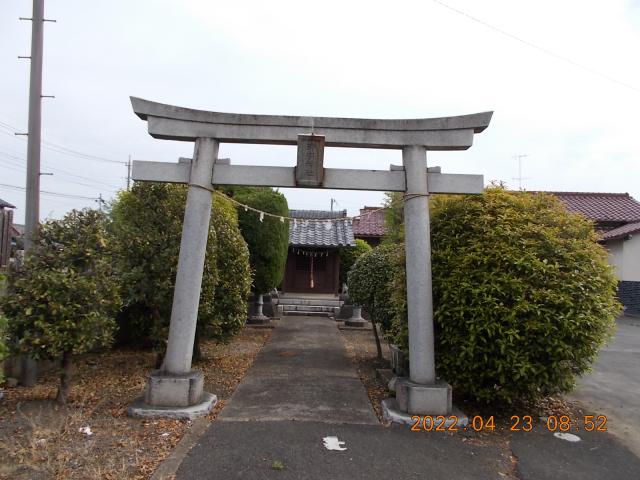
616 256
631 254
624 255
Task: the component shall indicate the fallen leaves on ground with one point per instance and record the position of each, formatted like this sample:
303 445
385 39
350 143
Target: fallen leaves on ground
361 348
41 439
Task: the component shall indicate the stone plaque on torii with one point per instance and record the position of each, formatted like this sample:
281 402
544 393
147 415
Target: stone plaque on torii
177 390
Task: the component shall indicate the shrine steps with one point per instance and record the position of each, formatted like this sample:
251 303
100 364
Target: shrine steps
309 305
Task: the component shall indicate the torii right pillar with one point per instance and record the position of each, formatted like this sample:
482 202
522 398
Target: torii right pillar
422 393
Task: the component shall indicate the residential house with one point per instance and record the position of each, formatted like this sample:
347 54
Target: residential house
6 230
369 226
617 219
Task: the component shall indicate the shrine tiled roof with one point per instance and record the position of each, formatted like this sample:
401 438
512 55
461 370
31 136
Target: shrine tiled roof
317 213
370 223
601 207
336 231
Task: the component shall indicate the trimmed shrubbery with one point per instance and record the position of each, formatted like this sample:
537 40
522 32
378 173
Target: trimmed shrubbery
523 295
63 301
349 255
267 238
370 283
146 230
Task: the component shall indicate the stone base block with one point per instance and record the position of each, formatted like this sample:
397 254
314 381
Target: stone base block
362 323
392 413
417 399
174 390
140 409
259 320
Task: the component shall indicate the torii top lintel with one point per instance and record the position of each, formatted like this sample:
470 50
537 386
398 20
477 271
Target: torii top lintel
178 123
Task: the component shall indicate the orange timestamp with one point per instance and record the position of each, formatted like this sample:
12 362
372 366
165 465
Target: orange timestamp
517 423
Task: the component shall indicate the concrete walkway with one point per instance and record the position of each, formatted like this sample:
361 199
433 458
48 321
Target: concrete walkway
303 387
302 373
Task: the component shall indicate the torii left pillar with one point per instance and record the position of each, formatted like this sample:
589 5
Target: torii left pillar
176 390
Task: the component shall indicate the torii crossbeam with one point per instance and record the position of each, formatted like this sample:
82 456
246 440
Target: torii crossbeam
177 390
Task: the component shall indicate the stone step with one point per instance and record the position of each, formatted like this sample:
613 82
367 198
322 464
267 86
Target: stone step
291 313
309 308
328 302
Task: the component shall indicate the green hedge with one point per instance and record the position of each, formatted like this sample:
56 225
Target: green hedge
234 273
267 239
370 282
349 255
146 230
524 297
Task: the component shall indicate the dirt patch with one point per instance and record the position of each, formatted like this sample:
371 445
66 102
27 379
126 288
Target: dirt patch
40 439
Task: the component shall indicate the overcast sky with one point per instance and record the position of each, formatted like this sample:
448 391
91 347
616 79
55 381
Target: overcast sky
579 130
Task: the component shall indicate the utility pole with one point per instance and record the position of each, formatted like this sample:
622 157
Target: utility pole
520 177
129 173
29 370
32 212
333 200
100 201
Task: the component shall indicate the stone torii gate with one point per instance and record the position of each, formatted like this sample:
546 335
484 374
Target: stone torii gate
176 390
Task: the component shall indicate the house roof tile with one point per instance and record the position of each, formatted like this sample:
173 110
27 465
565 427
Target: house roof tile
621 232
601 207
370 223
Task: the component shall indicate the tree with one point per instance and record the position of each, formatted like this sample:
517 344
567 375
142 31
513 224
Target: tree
4 350
349 255
146 229
394 218
62 302
267 237
370 285
523 295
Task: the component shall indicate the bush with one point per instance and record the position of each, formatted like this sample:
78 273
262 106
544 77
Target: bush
370 283
267 239
147 227
234 273
349 255
4 350
61 304
523 295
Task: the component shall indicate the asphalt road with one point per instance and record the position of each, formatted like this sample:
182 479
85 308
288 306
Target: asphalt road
613 388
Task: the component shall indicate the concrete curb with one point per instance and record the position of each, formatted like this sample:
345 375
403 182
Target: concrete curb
391 413
169 466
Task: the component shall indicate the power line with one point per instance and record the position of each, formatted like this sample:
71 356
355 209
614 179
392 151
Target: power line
61 148
45 192
538 47
64 173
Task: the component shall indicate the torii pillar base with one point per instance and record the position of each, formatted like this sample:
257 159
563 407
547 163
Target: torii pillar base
172 395
420 399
